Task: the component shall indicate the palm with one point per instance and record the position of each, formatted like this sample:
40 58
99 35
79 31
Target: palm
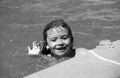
35 49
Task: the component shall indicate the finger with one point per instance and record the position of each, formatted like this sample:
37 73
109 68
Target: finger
29 48
39 47
38 44
41 43
35 44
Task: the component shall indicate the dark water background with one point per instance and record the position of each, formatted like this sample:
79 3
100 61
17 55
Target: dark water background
22 21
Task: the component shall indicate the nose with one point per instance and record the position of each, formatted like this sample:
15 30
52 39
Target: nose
60 42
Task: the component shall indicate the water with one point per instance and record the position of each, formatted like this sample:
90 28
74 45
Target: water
22 22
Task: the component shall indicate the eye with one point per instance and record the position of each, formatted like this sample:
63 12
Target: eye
65 37
53 39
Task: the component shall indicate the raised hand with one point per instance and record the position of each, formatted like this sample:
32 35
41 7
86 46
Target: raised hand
35 48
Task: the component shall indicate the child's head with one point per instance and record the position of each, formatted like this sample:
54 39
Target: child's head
57 37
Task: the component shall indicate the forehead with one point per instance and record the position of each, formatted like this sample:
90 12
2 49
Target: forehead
58 31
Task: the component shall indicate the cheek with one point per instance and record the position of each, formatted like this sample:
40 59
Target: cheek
68 41
51 44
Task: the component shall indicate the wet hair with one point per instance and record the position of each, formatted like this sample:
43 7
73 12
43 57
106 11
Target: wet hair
54 24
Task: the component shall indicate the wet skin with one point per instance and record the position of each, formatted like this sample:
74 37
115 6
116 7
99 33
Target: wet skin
58 40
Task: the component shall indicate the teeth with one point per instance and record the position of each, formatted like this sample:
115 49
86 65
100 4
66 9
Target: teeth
61 48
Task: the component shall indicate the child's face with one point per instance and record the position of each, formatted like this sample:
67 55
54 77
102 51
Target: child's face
58 40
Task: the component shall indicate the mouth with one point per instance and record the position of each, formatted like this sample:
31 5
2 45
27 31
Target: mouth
61 48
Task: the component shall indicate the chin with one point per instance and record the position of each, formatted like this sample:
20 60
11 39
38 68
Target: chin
60 54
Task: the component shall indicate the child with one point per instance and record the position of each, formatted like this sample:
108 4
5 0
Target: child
57 41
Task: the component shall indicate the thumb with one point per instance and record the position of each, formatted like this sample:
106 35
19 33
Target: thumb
29 49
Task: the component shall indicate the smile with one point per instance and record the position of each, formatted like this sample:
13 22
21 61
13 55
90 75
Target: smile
62 49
